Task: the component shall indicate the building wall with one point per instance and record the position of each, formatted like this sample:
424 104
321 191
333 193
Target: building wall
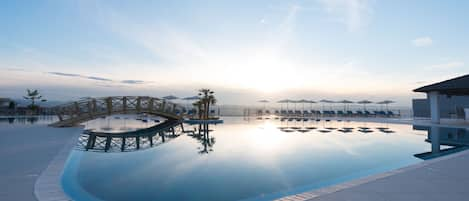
450 107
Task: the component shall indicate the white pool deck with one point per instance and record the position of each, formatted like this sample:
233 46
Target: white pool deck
444 178
32 164
26 157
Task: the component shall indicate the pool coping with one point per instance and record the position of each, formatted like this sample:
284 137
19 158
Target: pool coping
48 186
308 195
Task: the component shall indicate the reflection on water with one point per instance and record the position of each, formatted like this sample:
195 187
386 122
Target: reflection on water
28 120
253 160
444 140
203 137
122 123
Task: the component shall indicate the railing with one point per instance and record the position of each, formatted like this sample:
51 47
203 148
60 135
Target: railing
90 108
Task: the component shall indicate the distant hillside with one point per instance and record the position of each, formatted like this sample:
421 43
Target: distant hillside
22 102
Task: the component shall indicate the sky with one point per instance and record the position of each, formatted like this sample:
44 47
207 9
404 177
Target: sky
243 50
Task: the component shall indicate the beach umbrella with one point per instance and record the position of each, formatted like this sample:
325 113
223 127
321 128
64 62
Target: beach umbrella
282 102
311 104
289 101
386 102
345 102
364 102
264 102
303 101
294 102
325 101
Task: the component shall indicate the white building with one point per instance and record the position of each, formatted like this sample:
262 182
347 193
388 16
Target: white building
448 99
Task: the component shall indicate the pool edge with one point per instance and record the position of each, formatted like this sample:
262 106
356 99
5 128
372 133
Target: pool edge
48 186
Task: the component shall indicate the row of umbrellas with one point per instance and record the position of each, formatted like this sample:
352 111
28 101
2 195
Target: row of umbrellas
345 102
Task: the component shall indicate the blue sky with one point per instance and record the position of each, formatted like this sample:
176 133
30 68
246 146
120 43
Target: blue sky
244 50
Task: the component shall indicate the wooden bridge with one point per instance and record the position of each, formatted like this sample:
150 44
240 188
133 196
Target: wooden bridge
77 112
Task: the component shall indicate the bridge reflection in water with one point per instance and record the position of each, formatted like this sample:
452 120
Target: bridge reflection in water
143 138
131 140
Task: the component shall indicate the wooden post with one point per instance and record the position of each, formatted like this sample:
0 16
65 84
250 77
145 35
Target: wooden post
182 127
123 144
77 109
90 143
163 105
137 140
124 104
108 143
95 108
109 105
150 104
138 107
90 109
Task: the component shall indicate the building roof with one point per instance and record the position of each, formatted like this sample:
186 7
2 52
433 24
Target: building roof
455 86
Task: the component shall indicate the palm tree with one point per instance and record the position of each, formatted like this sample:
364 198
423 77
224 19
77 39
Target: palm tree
33 95
200 112
207 98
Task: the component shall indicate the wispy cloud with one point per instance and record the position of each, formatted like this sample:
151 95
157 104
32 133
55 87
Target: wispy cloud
65 74
448 65
110 82
422 41
98 78
355 14
16 69
132 81
81 76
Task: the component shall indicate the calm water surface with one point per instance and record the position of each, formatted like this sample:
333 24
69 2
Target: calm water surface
244 160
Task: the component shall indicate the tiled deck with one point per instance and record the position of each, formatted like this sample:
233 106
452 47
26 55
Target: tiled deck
442 178
48 187
25 155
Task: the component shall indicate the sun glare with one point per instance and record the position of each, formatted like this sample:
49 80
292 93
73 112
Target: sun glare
266 137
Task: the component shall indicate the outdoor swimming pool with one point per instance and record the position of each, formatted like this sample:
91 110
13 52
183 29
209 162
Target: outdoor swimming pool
245 159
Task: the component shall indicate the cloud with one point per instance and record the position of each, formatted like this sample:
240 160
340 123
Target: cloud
16 69
80 76
132 81
355 14
420 82
422 41
453 64
65 74
95 78
98 78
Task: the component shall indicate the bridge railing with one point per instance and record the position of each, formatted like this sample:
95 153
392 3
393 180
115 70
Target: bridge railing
91 107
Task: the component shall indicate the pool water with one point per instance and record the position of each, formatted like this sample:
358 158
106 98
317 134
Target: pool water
245 159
